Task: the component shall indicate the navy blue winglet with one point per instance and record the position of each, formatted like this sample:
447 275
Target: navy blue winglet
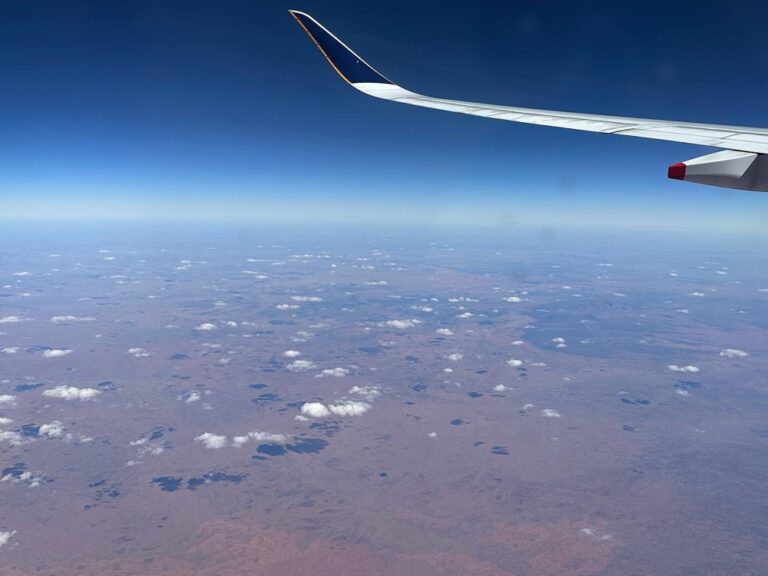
348 64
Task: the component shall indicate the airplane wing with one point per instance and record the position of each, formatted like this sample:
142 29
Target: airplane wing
740 165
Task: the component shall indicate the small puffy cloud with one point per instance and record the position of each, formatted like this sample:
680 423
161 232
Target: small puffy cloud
513 299
13 438
11 319
676 368
402 324
71 319
315 410
300 365
138 353
56 352
287 306
71 393
514 363
24 273
455 357
212 441
432 434
5 421
291 353
465 315
592 533
349 408
698 294
206 327
231 324
733 353
306 299
238 441
333 372
549 413
10 350
444 332
559 342
518 343
25 477
368 392
7 400
5 537
193 397
53 430
499 388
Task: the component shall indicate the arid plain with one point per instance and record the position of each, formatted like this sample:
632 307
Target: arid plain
382 402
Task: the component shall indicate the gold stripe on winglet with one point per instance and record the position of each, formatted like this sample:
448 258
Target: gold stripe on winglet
319 47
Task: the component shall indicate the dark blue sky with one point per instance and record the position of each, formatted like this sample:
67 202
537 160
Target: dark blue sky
224 109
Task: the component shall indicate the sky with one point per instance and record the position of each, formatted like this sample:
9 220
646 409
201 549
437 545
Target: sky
224 110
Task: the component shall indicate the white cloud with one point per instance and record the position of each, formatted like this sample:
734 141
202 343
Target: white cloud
513 299
7 400
25 273
518 343
291 353
455 357
402 324
5 421
71 393
334 372
25 477
231 324
699 294
444 332
368 392
432 434
211 440
300 365
349 408
514 363
138 353
590 532
71 319
193 397
52 430
549 413
13 438
559 342
676 368
10 320
315 410
287 306
6 536
465 315
206 327
499 388
306 299
733 353
10 350
238 441
56 352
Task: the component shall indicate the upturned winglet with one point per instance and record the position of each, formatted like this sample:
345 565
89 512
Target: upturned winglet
341 57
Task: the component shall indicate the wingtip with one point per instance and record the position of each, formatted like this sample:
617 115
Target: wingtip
348 64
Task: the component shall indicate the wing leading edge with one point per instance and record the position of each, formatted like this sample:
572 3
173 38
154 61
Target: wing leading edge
742 164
